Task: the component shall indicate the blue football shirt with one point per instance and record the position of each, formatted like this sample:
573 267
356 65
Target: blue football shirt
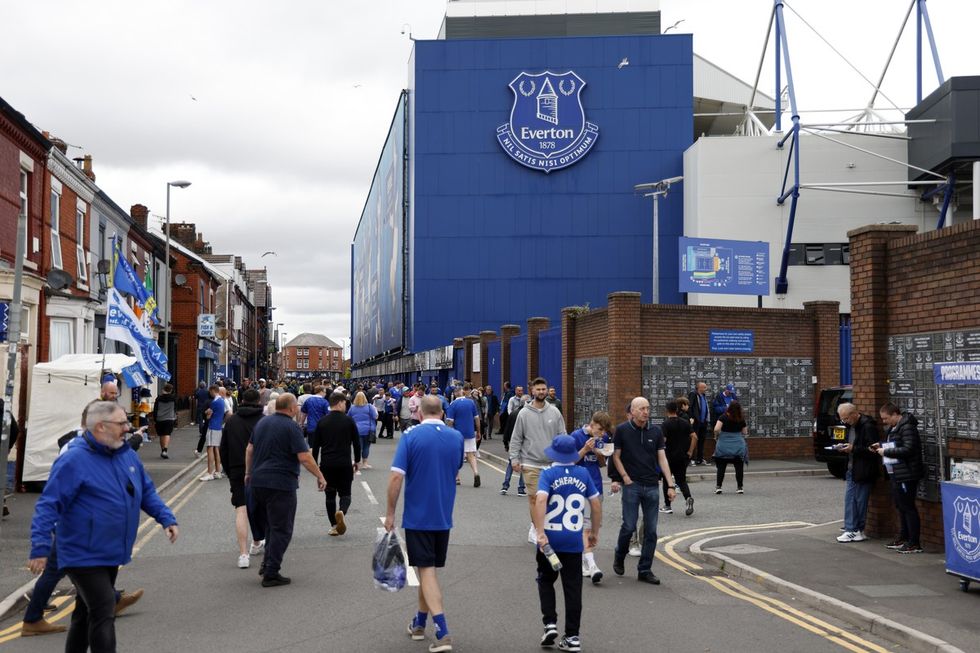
429 455
315 408
463 413
217 413
568 488
590 461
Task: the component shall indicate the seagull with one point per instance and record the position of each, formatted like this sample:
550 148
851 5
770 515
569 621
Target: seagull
193 98
357 85
622 64
267 253
673 26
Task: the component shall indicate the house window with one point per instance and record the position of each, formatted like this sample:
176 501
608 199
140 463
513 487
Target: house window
62 339
80 244
24 199
56 230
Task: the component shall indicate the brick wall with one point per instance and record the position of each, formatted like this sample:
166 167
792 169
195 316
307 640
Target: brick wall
903 283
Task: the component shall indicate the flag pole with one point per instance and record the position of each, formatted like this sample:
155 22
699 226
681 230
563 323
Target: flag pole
105 340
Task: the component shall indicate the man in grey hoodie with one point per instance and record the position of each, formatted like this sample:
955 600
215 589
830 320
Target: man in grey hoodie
535 427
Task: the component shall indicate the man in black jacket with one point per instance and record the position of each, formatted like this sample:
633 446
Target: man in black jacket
701 412
862 470
332 441
493 407
235 435
904 455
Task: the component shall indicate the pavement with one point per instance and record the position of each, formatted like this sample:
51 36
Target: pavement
907 598
489 581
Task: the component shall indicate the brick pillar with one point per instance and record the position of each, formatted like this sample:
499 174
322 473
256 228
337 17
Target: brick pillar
568 362
469 374
625 364
535 325
826 337
486 337
507 332
869 342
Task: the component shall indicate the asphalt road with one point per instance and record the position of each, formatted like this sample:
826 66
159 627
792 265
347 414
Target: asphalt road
197 598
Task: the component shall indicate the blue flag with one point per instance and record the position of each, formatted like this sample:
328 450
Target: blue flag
124 277
134 376
123 325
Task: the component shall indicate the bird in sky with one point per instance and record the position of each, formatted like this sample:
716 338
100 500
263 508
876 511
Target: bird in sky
622 64
267 253
673 26
358 85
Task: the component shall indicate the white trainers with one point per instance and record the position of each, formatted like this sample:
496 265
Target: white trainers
206 477
243 561
851 536
586 570
634 551
256 549
218 475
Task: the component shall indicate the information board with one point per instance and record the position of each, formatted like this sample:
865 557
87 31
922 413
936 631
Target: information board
731 342
912 387
775 393
592 391
731 267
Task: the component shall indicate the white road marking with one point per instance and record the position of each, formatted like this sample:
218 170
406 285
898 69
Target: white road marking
370 494
411 576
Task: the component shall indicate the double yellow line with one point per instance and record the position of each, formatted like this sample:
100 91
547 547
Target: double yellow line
771 605
13 632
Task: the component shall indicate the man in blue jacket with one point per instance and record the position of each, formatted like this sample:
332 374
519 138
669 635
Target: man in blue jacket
92 502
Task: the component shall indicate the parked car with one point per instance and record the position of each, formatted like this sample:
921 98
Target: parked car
828 430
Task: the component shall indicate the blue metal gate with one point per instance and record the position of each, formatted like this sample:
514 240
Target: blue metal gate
549 357
518 361
493 366
845 349
459 364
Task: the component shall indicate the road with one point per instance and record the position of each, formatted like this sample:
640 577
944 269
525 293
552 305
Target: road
196 597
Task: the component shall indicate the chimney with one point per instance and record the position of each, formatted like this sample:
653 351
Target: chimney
139 214
60 144
87 167
184 233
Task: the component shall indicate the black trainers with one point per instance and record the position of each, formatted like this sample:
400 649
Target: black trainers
690 507
521 493
618 567
648 577
476 481
550 635
908 547
570 643
503 491
275 581
896 544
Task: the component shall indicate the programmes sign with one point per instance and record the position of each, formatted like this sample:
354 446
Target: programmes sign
732 267
547 128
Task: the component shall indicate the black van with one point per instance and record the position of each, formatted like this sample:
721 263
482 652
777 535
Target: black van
829 430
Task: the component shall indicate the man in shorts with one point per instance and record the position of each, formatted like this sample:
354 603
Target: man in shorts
464 416
426 462
234 442
215 414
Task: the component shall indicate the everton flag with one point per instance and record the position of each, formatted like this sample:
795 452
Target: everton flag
123 325
124 279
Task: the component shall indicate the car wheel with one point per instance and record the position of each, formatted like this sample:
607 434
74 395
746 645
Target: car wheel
838 468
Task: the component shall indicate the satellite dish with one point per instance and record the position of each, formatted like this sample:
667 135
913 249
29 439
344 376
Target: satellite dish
59 279
180 279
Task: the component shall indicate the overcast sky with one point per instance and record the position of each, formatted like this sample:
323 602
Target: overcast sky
276 111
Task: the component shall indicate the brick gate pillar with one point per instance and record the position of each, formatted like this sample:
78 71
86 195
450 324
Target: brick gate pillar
624 356
535 325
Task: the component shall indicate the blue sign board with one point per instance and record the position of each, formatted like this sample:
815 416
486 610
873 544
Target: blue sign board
961 523
956 373
731 267
4 320
742 342
547 129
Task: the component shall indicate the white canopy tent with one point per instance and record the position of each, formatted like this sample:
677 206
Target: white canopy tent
60 390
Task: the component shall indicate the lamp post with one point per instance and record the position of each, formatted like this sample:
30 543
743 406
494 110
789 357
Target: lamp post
166 322
656 190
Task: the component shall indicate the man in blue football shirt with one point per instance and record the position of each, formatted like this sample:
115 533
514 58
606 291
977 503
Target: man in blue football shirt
464 416
426 461
564 489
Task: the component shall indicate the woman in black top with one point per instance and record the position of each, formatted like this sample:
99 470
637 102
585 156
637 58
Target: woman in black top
730 447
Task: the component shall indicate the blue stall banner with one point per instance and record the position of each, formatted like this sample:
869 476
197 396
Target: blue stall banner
742 342
134 376
731 267
956 373
961 523
4 320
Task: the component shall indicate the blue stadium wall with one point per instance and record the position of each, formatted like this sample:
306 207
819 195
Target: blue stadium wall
494 242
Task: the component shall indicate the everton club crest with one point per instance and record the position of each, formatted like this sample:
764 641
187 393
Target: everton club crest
966 528
547 129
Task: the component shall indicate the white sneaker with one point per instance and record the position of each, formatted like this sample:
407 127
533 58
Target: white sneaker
586 570
218 475
859 536
532 535
206 477
256 549
243 561
851 536
635 551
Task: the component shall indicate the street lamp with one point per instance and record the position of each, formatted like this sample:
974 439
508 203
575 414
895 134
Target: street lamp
656 190
166 323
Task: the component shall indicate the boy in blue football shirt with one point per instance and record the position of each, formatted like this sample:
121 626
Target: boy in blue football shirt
590 440
564 489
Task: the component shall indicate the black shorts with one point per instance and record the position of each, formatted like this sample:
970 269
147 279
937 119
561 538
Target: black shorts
237 491
165 427
339 478
426 548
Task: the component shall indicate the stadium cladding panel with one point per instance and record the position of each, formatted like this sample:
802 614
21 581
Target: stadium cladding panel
492 241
